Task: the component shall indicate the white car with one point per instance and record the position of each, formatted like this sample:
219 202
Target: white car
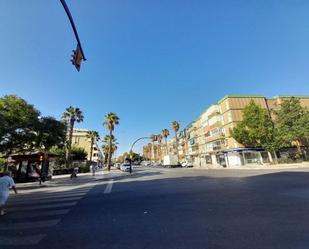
125 167
186 165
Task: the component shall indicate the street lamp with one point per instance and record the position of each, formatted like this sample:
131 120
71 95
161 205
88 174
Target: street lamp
131 150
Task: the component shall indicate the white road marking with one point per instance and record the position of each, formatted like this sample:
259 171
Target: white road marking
21 240
29 225
109 187
48 195
66 204
40 201
38 213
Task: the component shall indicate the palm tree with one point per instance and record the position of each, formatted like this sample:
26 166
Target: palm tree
105 146
159 139
111 119
146 151
153 138
94 137
71 115
165 133
175 126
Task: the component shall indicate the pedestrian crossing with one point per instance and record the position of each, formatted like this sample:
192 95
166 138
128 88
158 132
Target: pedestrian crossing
31 215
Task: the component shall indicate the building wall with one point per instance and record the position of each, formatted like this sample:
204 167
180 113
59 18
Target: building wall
80 139
209 135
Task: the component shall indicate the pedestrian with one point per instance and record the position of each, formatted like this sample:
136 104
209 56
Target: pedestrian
74 172
93 169
6 183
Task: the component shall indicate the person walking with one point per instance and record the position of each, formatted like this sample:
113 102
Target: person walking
93 169
6 183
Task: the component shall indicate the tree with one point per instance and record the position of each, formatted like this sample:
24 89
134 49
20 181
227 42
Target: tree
175 126
49 132
94 137
71 115
106 143
292 121
159 139
256 129
165 133
18 123
78 153
153 139
147 151
111 120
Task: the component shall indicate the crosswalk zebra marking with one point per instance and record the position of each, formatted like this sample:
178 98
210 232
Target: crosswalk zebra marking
48 196
64 204
109 187
44 206
39 214
40 202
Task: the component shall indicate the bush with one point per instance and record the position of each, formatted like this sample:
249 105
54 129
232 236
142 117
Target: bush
2 164
288 160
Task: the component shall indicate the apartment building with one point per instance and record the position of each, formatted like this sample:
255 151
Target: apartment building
80 139
209 139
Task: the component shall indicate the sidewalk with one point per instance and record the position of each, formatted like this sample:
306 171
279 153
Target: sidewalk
57 180
303 165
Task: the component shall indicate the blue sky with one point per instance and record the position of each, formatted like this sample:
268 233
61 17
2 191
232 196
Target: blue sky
151 61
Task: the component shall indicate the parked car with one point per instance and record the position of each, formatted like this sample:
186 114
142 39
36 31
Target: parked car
145 163
187 165
125 167
117 165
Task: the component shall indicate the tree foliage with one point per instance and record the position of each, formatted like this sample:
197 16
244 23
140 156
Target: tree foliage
22 128
71 115
290 126
256 129
50 132
78 153
111 120
292 121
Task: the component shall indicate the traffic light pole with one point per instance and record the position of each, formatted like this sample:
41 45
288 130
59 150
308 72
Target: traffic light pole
73 26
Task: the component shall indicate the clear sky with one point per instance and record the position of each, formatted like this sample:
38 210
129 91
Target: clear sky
151 61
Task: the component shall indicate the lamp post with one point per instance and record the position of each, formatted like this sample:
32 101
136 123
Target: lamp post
131 150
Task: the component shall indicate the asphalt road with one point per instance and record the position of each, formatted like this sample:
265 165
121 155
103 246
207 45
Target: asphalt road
166 208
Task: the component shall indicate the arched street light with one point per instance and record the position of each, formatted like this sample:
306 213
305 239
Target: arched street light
131 150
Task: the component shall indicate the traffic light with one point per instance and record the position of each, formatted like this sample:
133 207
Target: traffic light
77 57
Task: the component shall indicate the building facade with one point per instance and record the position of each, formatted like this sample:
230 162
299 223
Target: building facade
80 139
209 141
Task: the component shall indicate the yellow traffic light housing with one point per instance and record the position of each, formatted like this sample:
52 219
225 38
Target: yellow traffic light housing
77 58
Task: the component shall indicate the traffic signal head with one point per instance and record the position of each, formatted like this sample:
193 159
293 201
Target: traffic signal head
77 58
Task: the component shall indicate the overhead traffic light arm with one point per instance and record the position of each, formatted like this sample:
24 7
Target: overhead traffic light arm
73 27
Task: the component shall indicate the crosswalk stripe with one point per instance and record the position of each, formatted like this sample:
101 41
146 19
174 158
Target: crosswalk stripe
52 193
48 196
21 240
58 205
31 225
38 213
45 201
109 187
